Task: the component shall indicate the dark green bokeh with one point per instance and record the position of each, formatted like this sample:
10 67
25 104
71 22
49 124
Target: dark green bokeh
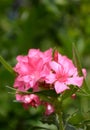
43 24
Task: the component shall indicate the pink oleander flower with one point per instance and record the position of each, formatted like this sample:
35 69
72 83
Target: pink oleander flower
40 71
32 69
63 74
28 100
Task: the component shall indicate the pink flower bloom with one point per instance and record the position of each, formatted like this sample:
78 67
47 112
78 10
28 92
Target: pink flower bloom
36 53
63 74
28 100
32 69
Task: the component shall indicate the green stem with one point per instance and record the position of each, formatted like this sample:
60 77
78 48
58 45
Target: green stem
59 113
60 121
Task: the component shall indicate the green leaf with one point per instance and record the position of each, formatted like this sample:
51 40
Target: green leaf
84 93
50 93
77 63
11 88
39 128
69 92
70 127
6 65
51 119
76 60
47 94
87 121
71 115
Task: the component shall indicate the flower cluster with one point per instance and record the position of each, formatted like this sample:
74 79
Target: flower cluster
44 70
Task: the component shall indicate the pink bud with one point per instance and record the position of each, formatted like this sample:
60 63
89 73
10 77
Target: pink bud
28 100
73 96
56 56
49 109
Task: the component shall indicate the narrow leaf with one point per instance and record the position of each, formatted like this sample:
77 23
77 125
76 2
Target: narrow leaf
46 94
50 93
6 65
69 92
11 88
77 63
76 60
40 128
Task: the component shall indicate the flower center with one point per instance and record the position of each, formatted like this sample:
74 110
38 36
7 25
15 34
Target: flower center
61 77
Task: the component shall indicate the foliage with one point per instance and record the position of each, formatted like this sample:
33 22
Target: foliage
43 24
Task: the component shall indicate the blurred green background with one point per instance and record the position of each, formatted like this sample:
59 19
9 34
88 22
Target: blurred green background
43 24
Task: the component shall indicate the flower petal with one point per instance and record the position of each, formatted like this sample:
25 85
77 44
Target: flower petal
50 78
54 66
60 87
75 81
